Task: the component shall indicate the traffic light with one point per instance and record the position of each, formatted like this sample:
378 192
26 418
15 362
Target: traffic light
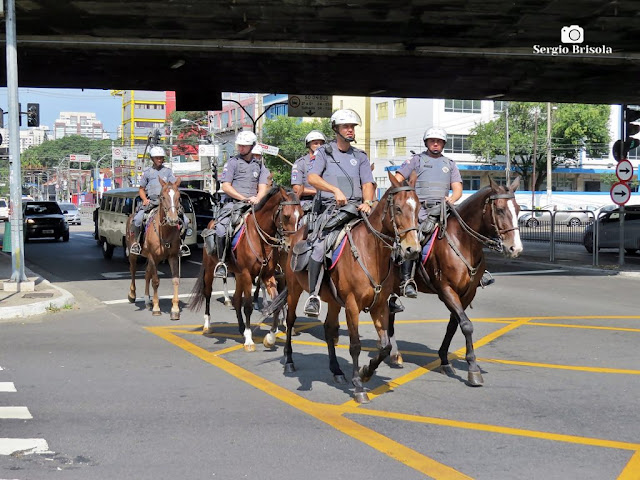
1 118
33 114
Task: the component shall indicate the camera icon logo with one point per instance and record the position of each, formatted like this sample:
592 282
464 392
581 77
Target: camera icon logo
572 34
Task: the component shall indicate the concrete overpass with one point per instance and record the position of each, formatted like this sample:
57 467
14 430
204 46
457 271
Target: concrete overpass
410 48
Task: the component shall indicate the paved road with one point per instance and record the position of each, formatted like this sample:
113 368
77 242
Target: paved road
117 393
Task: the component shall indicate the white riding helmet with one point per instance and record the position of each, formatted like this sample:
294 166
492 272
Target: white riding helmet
246 138
314 135
157 152
346 116
257 150
435 132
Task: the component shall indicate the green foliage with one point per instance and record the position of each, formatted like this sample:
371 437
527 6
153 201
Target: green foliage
573 127
611 178
50 152
288 133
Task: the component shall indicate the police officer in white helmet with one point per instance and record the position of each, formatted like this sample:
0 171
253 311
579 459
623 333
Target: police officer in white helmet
244 180
149 191
301 167
342 174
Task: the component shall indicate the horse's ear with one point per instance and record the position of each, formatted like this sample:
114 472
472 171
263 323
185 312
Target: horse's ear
162 182
492 184
177 182
514 185
394 181
284 193
413 178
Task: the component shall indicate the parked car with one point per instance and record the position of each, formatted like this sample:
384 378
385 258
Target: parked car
609 230
44 219
71 213
202 207
4 210
564 215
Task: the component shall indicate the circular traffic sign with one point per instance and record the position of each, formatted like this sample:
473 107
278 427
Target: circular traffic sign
294 102
624 170
620 193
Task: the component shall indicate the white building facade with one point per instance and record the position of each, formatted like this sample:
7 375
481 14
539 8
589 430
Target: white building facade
79 123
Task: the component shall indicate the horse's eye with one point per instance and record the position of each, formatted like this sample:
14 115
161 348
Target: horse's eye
398 210
500 211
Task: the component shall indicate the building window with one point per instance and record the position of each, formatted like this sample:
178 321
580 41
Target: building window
499 106
463 106
457 144
634 154
382 182
382 112
382 148
400 146
400 107
471 183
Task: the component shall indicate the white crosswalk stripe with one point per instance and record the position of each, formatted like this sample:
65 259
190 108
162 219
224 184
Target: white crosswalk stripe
9 446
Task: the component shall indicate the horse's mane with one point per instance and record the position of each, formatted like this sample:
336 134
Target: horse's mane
471 203
274 189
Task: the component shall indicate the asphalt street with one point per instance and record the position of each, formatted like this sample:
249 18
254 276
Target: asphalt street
118 393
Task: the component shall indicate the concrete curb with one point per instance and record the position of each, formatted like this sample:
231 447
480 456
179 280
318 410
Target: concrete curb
64 298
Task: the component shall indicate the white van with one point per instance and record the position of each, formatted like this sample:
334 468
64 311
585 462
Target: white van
114 210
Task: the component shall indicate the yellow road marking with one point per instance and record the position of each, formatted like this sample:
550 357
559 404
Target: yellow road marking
585 327
632 470
562 367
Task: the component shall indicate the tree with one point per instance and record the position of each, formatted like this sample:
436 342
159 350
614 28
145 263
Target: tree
574 127
186 135
50 152
288 133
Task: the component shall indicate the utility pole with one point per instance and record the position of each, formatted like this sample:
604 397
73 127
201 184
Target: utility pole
535 156
507 155
549 183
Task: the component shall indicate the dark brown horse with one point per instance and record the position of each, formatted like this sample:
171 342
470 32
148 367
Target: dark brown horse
363 279
256 256
455 266
161 242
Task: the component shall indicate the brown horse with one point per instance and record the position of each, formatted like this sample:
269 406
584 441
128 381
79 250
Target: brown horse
267 230
456 263
363 279
161 242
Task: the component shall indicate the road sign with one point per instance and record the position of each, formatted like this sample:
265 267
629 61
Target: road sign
310 106
124 153
208 150
624 170
79 158
271 150
620 193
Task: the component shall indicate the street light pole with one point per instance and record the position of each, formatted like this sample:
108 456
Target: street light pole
535 157
507 156
549 183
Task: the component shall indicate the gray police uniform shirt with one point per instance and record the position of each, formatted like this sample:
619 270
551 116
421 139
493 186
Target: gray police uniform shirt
244 176
435 176
346 170
151 184
299 176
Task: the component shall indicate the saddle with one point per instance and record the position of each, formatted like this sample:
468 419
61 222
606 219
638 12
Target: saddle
436 216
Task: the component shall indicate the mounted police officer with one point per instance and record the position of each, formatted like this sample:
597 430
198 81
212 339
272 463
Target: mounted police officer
342 175
437 176
149 191
244 181
301 167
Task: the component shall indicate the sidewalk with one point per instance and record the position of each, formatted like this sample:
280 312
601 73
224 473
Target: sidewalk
45 297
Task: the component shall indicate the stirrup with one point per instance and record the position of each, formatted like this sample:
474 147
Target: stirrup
220 271
184 250
395 305
487 279
312 306
412 283
135 248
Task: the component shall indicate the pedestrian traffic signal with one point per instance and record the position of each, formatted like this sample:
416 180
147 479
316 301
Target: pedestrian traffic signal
33 114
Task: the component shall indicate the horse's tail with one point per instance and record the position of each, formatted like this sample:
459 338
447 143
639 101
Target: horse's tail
197 294
277 303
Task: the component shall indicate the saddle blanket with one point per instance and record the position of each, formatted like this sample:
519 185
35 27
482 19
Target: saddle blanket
337 253
426 250
237 237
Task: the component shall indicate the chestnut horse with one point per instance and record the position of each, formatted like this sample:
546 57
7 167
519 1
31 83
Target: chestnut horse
256 256
161 242
456 263
363 279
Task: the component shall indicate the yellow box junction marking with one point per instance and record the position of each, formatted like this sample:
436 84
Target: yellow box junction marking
334 415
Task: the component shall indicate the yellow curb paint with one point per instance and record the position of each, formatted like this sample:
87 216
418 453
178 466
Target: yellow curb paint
326 413
632 470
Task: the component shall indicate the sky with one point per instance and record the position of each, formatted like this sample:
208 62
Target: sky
108 109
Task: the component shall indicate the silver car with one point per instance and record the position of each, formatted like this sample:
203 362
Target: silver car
609 230
71 213
564 215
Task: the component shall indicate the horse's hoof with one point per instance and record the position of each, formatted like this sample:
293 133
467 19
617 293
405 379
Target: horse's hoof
227 303
293 332
156 313
175 316
339 379
131 299
250 348
475 379
363 377
447 370
361 397
269 340
289 368
396 361
207 331
335 341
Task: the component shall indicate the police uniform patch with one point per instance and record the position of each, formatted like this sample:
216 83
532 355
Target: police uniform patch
353 162
255 174
445 169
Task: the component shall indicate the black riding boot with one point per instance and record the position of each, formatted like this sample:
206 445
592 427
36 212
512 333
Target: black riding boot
221 269
135 248
408 285
312 305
